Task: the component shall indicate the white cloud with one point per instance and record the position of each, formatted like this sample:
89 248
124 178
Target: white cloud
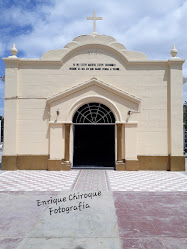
146 26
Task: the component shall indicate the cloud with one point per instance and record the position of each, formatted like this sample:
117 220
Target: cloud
37 26
148 28
145 25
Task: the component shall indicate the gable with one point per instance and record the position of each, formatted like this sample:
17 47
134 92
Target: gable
93 90
99 85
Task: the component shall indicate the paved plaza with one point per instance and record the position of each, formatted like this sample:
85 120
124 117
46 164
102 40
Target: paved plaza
32 180
89 209
88 180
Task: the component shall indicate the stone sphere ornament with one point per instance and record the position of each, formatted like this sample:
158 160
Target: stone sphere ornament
14 50
174 51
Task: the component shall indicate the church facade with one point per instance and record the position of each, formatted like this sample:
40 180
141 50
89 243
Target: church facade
93 104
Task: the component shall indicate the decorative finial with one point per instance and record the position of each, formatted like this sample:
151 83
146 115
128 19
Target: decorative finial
94 18
173 51
14 51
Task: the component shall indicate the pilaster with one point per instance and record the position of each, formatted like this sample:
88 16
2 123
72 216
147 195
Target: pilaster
11 105
175 107
132 162
56 141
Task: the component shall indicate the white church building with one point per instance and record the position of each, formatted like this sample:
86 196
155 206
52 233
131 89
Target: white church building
90 104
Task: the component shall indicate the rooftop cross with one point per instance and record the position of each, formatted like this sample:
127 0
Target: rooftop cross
94 18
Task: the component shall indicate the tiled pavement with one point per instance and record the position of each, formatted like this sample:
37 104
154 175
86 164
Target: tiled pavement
91 180
142 210
86 180
31 180
147 181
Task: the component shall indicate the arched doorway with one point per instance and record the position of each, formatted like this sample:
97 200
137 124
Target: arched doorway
94 136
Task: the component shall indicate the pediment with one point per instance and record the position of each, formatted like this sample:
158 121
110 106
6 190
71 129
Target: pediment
99 84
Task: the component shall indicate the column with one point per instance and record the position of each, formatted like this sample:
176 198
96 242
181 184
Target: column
119 142
120 165
67 143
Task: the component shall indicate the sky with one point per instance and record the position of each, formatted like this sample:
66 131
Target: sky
147 26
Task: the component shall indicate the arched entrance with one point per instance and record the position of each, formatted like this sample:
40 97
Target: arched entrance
94 136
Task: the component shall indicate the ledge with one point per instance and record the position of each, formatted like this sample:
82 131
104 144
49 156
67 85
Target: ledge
127 123
60 122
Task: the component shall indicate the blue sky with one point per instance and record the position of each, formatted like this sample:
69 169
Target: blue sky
148 26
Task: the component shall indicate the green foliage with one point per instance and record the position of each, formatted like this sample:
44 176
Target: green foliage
2 128
185 115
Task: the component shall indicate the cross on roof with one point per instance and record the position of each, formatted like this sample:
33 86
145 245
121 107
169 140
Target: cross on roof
94 18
